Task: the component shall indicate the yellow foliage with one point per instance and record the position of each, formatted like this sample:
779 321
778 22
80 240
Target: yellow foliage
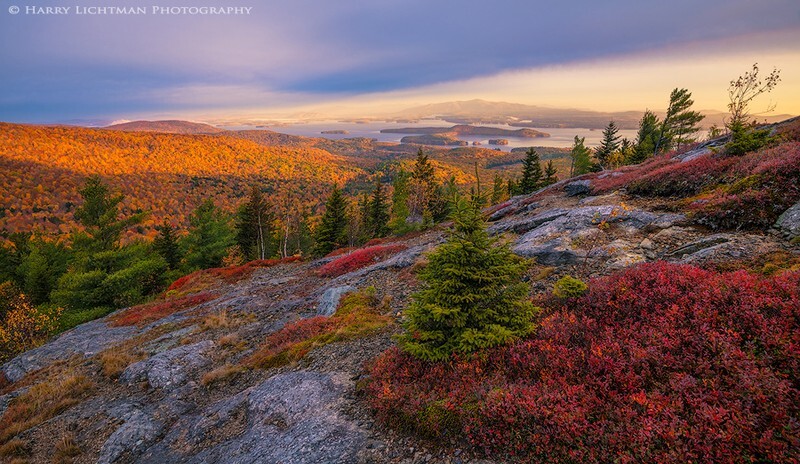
24 327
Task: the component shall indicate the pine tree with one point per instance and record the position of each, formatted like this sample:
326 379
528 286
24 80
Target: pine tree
378 212
679 123
580 155
167 246
399 222
624 153
472 296
646 138
332 230
99 214
422 192
550 172
254 227
210 237
499 190
531 173
104 273
608 145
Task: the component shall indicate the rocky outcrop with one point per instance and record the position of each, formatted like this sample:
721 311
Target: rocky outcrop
565 236
170 369
329 300
85 340
579 187
288 418
788 223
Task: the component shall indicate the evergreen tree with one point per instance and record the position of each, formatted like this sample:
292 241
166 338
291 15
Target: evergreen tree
254 227
512 186
104 273
580 155
210 237
332 230
608 145
679 123
531 173
499 190
378 212
43 264
550 176
399 222
646 138
167 246
99 214
422 192
624 153
472 296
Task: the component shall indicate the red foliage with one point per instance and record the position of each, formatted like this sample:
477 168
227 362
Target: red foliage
291 336
770 184
358 259
623 176
150 312
230 274
660 363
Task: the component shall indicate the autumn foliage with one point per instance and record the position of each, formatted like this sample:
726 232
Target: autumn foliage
23 326
659 363
204 278
42 168
358 259
358 315
730 192
151 312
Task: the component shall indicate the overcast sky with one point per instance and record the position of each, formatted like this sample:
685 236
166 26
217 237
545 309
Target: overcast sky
375 56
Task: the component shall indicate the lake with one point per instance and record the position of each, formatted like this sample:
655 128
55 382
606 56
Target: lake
559 137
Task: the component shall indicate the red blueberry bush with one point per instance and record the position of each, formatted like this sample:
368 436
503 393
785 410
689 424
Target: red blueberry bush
358 259
151 312
659 363
231 274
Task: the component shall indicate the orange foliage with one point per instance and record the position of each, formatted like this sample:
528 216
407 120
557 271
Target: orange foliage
42 168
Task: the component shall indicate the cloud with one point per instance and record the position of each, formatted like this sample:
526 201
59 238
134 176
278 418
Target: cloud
294 53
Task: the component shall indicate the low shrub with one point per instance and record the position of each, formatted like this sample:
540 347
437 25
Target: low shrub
205 278
569 287
358 259
757 200
42 402
151 312
221 374
358 315
659 363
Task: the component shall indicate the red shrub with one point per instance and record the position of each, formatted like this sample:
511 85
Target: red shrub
358 259
150 312
679 179
660 363
230 274
628 174
771 185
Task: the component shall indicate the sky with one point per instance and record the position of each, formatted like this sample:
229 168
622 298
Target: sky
351 58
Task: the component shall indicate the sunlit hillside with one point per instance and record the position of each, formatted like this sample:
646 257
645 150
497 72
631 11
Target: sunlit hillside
41 169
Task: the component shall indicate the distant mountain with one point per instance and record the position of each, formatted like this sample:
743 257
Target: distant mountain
521 115
167 127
